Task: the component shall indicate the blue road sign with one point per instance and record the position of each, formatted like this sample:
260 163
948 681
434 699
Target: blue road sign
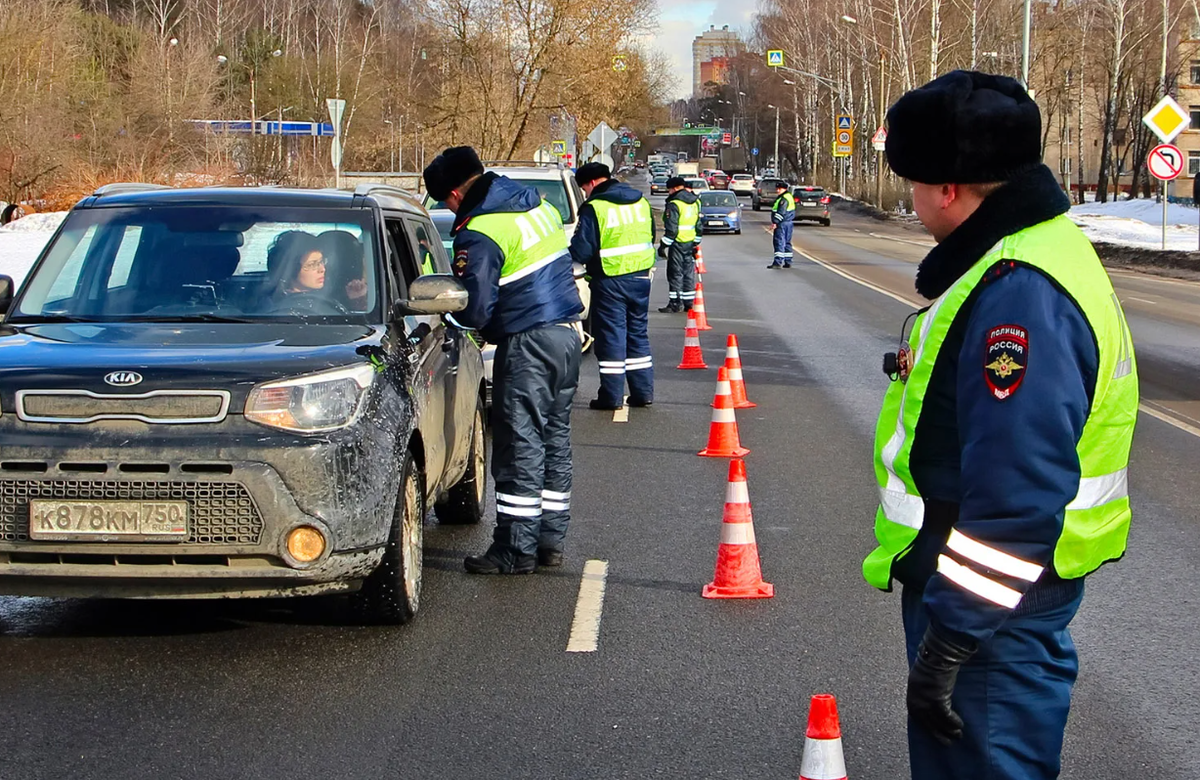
844 123
754 151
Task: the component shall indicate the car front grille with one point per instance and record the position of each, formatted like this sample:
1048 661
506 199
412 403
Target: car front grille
158 406
219 513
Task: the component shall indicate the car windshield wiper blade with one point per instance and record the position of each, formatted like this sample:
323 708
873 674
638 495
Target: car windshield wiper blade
186 318
42 319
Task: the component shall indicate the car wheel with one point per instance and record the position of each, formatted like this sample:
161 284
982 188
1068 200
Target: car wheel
466 501
737 232
391 594
756 205
825 222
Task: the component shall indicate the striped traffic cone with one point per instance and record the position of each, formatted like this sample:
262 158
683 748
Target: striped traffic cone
737 385
693 356
738 575
723 439
700 269
823 759
698 307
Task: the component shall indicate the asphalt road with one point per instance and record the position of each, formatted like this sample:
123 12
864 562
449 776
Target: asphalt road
481 685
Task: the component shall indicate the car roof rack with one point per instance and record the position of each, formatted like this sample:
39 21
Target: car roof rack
120 188
378 188
521 164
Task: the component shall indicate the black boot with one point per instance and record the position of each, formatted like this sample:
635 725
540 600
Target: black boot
673 307
492 563
549 558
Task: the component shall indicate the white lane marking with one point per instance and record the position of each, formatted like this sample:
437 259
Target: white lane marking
622 414
585 628
1168 417
856 279
1145 277
1141 300
922 244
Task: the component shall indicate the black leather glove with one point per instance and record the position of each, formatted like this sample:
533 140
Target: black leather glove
662 250
931 682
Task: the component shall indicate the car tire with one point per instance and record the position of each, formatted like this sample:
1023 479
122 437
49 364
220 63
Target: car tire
391 594
756 205
737 232
466 501
825 222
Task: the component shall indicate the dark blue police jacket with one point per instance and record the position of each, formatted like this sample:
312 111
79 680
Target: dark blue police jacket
585 246
545 297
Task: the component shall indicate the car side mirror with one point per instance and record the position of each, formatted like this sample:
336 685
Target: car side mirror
6 294
434 294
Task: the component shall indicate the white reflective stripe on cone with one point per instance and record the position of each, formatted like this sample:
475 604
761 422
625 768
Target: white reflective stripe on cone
823 760
737 533
691 341
996 560
555 495
731 352
1098 491
736 493
508 498
519 511
723 388
723 416
556 506
735 374
977 583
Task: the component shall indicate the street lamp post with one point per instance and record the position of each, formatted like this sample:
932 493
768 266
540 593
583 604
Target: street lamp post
391 145
776 160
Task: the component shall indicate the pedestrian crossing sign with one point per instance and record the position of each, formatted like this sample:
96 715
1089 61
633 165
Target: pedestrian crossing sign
775 58
844 122
558 148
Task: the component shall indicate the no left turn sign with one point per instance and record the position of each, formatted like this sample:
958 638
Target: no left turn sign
1165 162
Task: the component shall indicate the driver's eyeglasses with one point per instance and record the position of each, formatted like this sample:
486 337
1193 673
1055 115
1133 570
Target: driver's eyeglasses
314 264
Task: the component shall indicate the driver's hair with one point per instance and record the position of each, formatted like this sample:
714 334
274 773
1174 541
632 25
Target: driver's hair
286 255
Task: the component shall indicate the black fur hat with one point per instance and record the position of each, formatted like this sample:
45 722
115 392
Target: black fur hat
451 169
589 172
676 181
964 128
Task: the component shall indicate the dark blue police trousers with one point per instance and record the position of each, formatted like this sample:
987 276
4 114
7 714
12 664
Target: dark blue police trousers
782 242
1013 696
535 374
620 323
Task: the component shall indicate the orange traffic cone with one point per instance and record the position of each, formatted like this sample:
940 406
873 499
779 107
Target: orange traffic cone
737 385
723 432
700 269
693 356
698 307
738 575
823 759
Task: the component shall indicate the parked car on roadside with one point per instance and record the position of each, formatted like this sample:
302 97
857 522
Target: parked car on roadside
248 392
720 212
812 204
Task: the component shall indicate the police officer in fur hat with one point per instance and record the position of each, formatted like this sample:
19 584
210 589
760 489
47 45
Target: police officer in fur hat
1004 437
510 251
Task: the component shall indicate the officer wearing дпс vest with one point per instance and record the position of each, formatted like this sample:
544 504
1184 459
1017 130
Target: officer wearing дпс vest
681 237
511 254
783 216
615 241
1003 444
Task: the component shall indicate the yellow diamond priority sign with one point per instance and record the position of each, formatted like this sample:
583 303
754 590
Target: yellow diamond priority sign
1167 119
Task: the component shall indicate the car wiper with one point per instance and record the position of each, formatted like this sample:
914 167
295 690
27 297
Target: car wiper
45 319
186 318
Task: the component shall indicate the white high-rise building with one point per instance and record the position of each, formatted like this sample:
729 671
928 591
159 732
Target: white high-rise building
714 48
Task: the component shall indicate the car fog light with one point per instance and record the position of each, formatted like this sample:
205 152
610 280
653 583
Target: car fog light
305 543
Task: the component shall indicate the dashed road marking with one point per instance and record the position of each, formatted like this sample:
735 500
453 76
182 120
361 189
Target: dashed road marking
922 244
1140 300
585 628
622 415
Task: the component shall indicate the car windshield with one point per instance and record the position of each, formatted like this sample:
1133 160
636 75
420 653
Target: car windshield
743 177
815 194
206 264
660 179
723 199
697 184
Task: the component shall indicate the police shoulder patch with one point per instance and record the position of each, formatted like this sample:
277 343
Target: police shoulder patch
1005 358
460 262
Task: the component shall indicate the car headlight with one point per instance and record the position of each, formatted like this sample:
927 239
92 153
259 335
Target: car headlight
314 403
733 215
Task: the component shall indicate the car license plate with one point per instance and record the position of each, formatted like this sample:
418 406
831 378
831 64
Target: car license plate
51 520
715 223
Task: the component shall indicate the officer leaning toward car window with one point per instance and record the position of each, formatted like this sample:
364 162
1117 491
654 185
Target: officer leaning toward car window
783 215
1003 442
511 253
681 239
615 241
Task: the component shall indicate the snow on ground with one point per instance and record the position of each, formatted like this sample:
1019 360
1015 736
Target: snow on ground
22 241
1138 223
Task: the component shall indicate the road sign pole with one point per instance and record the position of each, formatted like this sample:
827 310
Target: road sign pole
1166 187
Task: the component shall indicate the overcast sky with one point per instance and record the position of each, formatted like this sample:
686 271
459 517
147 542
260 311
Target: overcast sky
682 20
